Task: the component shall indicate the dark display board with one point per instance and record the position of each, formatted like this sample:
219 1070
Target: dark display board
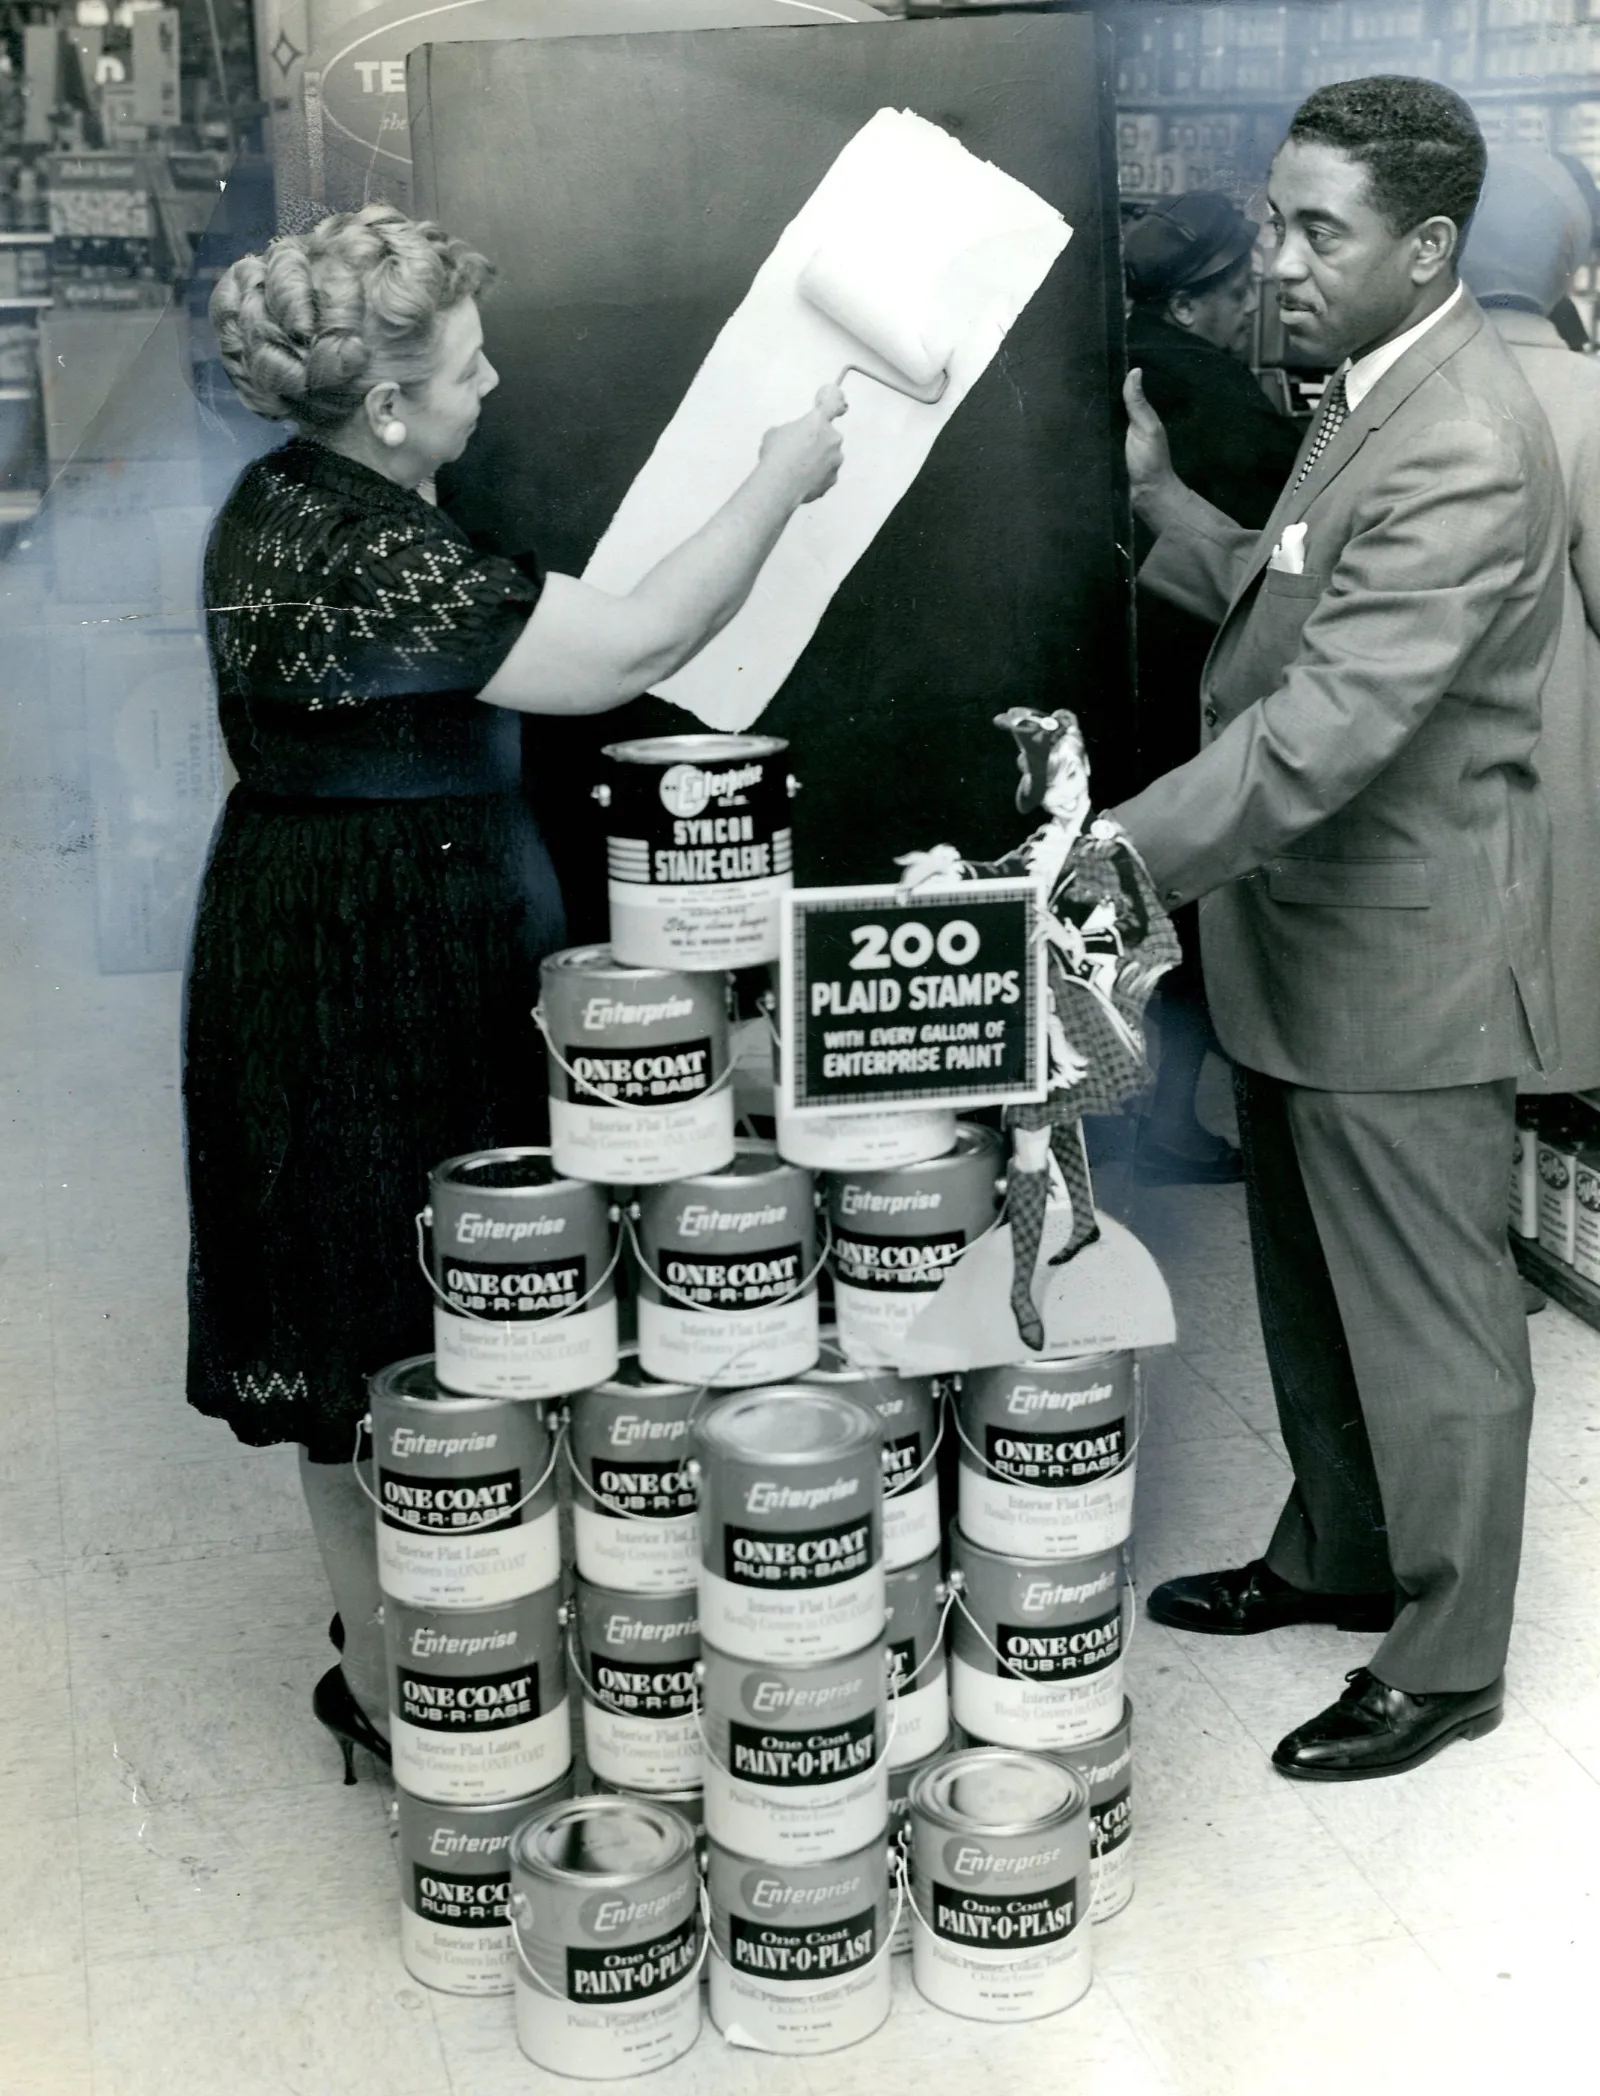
628 188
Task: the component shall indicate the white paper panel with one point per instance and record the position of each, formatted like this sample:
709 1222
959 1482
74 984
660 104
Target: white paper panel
937 244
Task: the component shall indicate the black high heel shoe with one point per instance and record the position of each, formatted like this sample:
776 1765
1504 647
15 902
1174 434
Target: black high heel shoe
333 1706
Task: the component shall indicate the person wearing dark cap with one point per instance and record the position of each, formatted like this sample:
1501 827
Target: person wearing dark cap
1191 281
1531 230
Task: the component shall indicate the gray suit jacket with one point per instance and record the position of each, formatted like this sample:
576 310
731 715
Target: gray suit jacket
1364 821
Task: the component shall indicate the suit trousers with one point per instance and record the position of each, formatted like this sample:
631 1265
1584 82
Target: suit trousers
1396 1336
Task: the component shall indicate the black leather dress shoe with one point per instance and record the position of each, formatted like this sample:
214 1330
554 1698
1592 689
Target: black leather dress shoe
1155 1165
1375 1730
1254 1598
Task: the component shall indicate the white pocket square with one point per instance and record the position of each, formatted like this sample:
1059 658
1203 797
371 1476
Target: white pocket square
1289 554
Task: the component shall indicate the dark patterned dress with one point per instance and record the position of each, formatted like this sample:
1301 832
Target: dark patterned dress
366 947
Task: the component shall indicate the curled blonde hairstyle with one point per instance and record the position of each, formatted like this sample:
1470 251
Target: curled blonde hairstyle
308 327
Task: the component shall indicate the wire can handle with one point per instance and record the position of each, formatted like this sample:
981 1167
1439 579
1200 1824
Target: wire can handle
717 1084
495 1518
424 1221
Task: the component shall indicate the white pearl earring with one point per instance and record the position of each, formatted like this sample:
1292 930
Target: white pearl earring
394 433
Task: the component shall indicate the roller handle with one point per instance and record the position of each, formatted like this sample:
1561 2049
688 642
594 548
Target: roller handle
929 395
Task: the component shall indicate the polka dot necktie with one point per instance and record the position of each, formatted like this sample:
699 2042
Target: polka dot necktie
1335 407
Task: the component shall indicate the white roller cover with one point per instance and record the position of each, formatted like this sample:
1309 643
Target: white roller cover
880 302
959 249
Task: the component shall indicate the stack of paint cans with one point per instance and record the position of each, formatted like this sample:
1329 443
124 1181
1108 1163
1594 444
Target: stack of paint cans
698 854
1038 1560
469 1563
751 1534
796 1710
635 1618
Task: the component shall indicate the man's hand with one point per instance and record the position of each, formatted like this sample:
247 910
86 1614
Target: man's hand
1154 486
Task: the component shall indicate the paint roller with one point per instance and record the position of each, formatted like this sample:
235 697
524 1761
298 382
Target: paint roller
871 306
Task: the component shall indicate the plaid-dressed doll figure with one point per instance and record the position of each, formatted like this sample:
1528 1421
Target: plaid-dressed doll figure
1109 941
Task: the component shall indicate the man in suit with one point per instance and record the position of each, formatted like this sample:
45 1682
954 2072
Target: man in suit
1364 830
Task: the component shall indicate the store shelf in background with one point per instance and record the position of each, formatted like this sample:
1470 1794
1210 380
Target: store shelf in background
1560 1282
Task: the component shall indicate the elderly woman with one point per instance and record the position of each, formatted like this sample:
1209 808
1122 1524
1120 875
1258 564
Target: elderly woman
1532 229
378 899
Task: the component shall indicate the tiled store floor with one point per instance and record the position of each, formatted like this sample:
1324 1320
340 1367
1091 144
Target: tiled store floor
193 1902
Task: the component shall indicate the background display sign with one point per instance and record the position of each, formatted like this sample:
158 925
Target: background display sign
355 79
933 999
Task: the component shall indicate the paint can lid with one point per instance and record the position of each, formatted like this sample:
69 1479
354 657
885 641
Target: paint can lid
998 1790
972 1140
413 1377
601 1840
834 1366
516 1171
416 1381
703 750
752 1159
600 963
787 1423
901 1779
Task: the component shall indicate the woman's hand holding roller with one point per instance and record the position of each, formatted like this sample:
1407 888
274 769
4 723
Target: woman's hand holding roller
807 454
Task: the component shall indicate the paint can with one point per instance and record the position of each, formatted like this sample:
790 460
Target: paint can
835 1142
914 1600
799 1953
605 1908
1106 1767
698 849
999 1858
897 1233
1557 1158
524 1304
455 1889
1047 1456
466 1492
1036 1657
728 1274
689 1805
791 1525
639 1070
478 1699
633 1496
1524 1204
796 1758
636 1657
909 1411
1586 1214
